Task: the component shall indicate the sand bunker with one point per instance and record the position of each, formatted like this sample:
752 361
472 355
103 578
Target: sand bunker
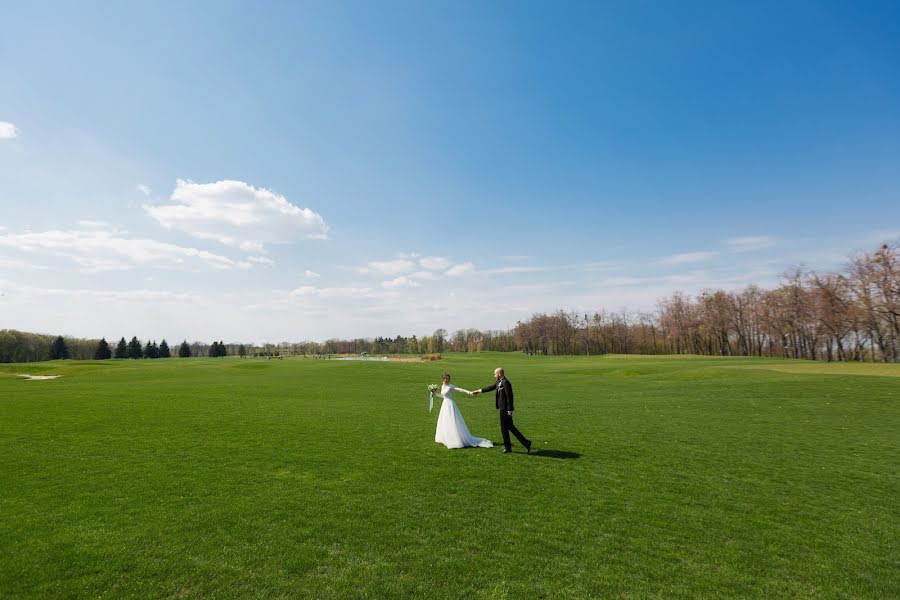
39 377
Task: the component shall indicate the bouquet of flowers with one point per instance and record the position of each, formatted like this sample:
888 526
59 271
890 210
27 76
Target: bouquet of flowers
432 389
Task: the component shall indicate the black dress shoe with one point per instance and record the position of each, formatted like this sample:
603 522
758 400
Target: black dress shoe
528 447
505 451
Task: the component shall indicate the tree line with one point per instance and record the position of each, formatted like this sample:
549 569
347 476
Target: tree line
851 315
20 346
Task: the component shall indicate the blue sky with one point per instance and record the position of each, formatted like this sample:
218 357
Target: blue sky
287 171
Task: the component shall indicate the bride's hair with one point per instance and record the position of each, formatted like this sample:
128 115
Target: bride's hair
447 375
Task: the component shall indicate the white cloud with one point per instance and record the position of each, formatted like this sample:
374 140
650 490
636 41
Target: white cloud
623 281
400 282
434 263
103 250
331 292
8 131
104 295
390 267
507 270
237 214
603 265
311 274
460 269
686 258
95 224
686 278
14 263
434 267
749 243
423 275
144 189
261 260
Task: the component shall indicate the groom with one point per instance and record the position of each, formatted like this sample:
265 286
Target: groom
504 403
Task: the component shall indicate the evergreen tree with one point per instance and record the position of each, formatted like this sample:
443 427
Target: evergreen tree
214 351
184 351
122 349
151 350
58 349
103 352
134 348
164 351
242 352
223 351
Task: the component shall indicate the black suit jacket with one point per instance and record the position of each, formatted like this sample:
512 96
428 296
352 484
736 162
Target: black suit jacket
504 394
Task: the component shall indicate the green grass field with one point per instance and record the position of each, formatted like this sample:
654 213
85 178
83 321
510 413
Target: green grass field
664 477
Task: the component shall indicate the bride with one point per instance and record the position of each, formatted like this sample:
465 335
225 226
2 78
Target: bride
451 428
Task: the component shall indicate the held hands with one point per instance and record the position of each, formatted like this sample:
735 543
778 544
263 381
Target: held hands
475 393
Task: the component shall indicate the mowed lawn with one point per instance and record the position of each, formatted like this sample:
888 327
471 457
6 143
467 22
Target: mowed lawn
655 477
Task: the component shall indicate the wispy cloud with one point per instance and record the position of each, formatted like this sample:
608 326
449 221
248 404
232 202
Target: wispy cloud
144 189
15 263
237 214
506 270
623 281
389 267
460 269
423 275
95 224
331 292
400 282
103 295
687 258
750 243
603 265
434 263
686 278
437 267
405 263
311 274
8 131
96 249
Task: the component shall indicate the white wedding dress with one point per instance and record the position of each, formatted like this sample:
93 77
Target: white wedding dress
451 428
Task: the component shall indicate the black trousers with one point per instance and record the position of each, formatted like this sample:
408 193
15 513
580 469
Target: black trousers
506 425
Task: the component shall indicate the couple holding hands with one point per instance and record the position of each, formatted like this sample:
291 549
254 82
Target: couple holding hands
451 427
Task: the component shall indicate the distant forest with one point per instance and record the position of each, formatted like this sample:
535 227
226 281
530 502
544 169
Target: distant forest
852 315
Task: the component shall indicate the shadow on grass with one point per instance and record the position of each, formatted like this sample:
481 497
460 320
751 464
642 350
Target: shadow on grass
559 454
